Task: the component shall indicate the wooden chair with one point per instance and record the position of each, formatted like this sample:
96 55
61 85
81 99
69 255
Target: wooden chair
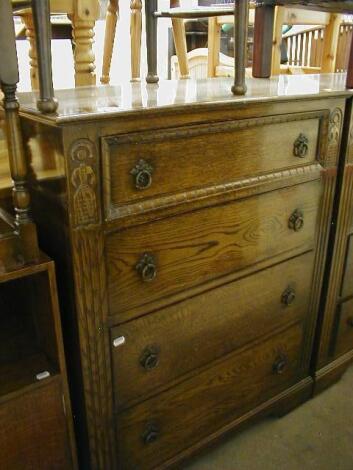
331 23
83 15
216 67
283 15
265 63
18 236
135 38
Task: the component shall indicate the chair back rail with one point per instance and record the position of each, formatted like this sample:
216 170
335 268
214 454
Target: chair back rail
305 48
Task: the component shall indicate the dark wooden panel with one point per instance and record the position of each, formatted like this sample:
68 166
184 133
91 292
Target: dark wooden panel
202 245
344 339
347 286
179 417
184 158
33 432
175 340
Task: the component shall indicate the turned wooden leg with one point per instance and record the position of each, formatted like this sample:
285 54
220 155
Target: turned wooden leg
83 36
180 42
18 163
349 83
151 40
110 30
214 45
241 19
41 17
135 35
27 20
263 37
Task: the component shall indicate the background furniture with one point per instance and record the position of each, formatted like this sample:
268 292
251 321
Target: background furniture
264 26
135 33
305 48
172 253
83 15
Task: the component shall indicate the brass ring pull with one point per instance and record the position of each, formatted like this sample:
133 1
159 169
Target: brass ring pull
150 434
143 174
280 365
301 146
296 220
288 296
150 358
147 267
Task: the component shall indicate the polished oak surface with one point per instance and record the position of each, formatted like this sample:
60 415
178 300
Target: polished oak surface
167 344
197 247
108 101
156 429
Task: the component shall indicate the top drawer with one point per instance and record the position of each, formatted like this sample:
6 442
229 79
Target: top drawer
150 164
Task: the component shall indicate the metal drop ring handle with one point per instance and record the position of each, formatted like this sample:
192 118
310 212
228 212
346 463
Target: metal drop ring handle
296 220
147 267
142 172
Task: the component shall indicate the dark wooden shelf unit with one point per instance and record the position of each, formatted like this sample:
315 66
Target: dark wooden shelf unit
35 414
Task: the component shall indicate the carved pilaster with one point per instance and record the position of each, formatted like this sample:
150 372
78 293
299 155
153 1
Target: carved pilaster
328 158
91 299
339 250
334 137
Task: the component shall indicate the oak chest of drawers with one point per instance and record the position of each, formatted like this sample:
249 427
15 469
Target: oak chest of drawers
190 234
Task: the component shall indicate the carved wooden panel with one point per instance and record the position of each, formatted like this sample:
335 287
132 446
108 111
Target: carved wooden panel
91 298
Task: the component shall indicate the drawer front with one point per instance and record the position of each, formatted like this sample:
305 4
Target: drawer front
347 286
149 164
157 348
168 256
344 338
159 428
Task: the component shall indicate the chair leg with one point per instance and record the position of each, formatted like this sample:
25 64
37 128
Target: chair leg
41 16
83 34
180 46
263 37
180 42
27 20
151 40
109 37
241 19
214 45
135 35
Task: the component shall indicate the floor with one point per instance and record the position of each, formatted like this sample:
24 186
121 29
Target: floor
316 436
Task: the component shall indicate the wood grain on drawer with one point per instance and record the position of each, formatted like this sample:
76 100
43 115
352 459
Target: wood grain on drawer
347 285
193 248
150 164
165 345
344 338
160 427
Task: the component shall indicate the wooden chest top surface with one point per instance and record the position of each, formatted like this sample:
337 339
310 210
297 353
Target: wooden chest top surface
106 102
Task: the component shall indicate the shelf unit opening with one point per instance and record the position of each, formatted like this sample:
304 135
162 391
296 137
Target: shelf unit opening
28 349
